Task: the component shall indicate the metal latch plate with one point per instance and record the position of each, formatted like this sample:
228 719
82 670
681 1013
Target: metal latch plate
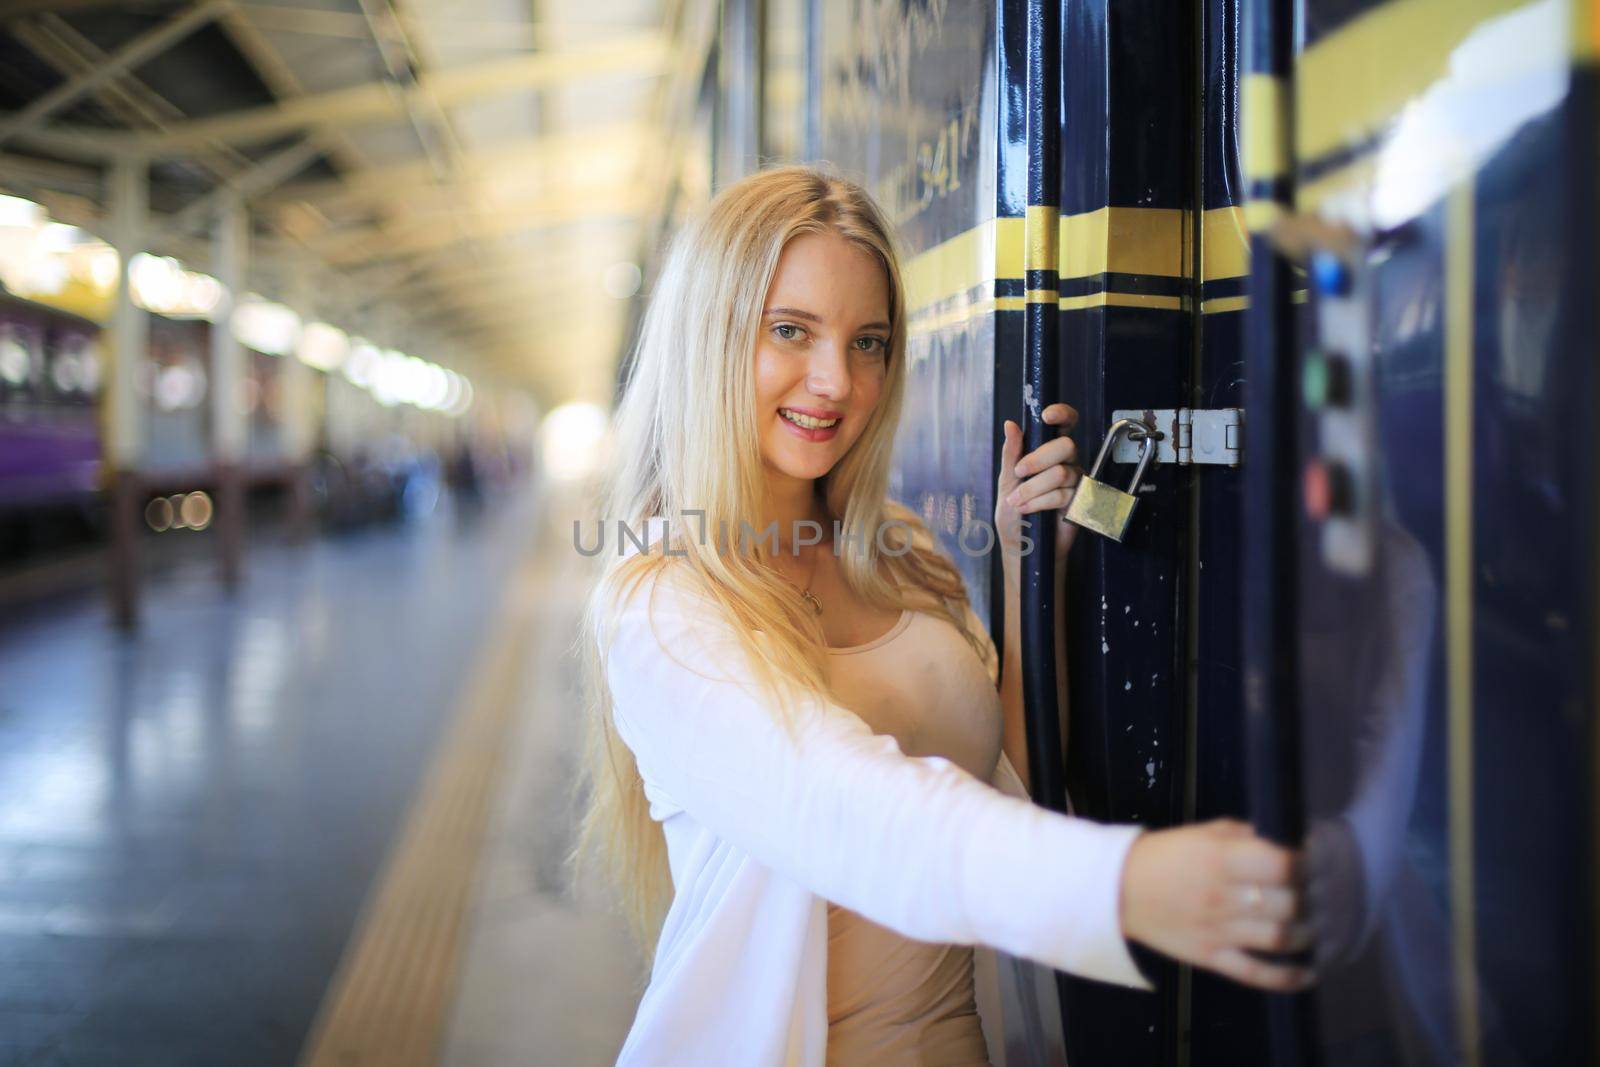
1188 435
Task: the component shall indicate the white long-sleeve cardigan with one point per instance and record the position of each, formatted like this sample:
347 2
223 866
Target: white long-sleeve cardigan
762 831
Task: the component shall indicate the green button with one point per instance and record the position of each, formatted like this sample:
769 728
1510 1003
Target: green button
1314 380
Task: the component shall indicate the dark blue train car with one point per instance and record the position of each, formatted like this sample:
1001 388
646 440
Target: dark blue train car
1342 253
1421 347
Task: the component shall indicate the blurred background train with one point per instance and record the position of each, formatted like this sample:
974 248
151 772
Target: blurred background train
1337 255
388 432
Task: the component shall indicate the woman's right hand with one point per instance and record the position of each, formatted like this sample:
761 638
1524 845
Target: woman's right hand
1206 893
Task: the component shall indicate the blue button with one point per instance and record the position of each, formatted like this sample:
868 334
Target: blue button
1329 274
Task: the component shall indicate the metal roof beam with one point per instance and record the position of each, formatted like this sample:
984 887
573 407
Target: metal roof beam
425 285
456 32
49 174
246 186
307 20
405 180
141 49
57 43
424 207
336 143
643 55
552 320
14 9
494 297
384 243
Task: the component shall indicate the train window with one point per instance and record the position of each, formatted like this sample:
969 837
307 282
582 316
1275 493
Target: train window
180 384
89 367
73 369
14 361
18 362
64 374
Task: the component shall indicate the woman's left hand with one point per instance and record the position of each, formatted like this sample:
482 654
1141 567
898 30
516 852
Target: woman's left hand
1045 478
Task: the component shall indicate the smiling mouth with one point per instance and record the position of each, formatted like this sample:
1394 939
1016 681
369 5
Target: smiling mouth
807 422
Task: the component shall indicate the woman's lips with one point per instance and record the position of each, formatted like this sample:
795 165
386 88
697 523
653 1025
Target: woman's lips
807 434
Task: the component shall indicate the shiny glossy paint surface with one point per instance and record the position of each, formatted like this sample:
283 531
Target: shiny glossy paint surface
1440 716
1228 1023
908 106
1448 689
1041 385
1126 342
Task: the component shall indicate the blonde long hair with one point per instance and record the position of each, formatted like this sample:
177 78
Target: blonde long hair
685 438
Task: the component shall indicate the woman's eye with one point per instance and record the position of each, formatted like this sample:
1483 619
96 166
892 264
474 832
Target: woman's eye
787 330
871 344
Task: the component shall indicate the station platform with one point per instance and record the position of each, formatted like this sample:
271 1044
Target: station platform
319 820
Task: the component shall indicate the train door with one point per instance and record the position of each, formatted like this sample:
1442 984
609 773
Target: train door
1421 597
1154 262
1370 226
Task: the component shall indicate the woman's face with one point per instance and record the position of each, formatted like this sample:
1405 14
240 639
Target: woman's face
822 354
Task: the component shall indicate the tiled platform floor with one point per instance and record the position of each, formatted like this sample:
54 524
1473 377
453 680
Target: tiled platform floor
191 817
549 977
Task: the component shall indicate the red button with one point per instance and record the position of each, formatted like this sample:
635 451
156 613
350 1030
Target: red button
1325 488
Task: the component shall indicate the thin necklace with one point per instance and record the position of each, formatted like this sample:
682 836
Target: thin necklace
811 598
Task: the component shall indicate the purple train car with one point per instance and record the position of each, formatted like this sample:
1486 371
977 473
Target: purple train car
50 372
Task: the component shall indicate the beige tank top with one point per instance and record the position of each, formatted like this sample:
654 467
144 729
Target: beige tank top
892 1001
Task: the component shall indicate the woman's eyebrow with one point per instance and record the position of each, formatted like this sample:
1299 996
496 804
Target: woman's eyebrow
796 313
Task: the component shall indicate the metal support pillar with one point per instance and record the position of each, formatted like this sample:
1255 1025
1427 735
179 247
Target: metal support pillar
130 333
737 113
229 430
299 406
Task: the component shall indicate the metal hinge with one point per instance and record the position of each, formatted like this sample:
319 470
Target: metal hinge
1188 435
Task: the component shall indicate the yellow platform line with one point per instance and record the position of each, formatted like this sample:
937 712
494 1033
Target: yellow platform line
389 1001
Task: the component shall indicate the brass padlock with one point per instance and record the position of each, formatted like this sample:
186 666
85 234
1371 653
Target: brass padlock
1103 508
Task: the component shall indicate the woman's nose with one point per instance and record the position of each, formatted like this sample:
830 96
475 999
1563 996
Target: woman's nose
829 373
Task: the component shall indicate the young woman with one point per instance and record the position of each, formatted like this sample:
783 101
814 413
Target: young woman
802 774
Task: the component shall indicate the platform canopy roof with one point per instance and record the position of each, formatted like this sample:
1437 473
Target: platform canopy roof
472 178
